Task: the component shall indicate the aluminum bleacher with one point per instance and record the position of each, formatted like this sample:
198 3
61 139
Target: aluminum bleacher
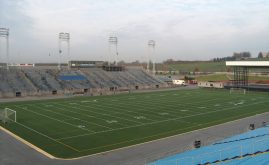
259 159
247 147
49 80
14 80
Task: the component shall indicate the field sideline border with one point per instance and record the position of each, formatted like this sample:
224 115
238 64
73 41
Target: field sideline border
28 143
53 157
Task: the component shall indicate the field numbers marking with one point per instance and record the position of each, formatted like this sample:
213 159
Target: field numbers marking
111 121
163 113
139 117
81 126
85 101
240 103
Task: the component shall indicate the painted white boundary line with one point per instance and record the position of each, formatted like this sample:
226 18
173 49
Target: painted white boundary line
28 143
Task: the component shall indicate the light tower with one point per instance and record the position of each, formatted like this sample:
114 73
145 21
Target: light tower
4 33
113 49
151 53
64 37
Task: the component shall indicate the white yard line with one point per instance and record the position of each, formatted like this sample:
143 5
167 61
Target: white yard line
59 133
167 101
142 108
162 121
121 113
173 111
55 140
61 121
105 114
83 115
75 118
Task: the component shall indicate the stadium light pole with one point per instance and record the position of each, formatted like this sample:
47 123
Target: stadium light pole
4 33
113 42
151 52
64 37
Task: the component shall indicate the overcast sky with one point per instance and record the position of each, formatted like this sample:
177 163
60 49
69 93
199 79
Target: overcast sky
182 29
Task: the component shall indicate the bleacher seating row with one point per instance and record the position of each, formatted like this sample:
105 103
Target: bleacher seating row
248 148
257 159
47 80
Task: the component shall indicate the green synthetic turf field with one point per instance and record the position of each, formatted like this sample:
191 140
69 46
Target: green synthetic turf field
74 127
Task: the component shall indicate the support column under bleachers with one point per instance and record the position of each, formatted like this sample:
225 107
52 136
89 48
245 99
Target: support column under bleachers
240 77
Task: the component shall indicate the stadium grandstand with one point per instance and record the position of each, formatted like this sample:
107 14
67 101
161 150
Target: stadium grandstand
86 77
134 82
130 119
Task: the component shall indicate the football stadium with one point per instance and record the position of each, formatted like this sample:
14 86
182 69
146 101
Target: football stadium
68 108
75 113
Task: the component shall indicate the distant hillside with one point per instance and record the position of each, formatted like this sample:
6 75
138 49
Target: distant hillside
225 77
191 66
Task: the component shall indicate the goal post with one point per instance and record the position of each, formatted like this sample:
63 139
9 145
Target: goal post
8 115
238 90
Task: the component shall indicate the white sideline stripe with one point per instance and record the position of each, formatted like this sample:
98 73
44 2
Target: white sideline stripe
161 121
53 118
55 140
75 118
27 143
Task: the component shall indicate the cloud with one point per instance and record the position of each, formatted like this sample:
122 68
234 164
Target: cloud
192 29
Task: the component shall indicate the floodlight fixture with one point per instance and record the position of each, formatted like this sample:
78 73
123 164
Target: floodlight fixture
64 37
113 49
4 33
151 54
151 43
